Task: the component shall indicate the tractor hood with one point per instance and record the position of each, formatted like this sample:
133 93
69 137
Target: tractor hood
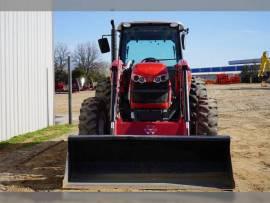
149 69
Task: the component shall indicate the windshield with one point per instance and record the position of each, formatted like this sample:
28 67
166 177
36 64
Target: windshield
159 42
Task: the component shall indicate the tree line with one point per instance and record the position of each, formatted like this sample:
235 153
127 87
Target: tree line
85 61
249 74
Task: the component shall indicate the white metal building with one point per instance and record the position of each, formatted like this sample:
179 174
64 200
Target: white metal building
26 72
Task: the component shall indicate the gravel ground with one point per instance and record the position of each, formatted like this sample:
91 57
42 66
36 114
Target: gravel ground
61 105
244 114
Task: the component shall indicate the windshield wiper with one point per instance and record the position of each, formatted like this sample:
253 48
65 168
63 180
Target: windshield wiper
166 59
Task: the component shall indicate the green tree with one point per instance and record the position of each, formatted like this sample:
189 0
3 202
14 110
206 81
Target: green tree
78 73
249 74
61 76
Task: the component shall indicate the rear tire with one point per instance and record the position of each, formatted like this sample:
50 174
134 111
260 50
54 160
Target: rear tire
203 110
212 116
93 117
103 90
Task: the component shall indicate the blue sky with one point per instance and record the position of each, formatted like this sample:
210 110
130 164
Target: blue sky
213 40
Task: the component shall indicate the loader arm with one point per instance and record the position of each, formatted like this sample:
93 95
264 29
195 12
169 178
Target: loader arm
116 70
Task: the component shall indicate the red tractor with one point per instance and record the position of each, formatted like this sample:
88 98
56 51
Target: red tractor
151 121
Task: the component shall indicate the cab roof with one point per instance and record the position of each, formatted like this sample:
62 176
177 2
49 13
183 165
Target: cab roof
174 24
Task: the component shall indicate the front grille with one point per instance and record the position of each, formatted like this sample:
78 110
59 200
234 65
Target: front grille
150 93
150 86
148 115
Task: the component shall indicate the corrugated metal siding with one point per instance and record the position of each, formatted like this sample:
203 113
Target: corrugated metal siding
26 72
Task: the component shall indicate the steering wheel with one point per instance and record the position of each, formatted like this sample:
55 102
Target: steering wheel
150 59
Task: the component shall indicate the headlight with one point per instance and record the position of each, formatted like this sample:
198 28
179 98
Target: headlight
138 78
161 78
126 25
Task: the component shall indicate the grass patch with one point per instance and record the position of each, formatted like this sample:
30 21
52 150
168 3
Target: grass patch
38 136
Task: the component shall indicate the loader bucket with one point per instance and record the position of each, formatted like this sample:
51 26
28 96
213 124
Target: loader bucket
188 160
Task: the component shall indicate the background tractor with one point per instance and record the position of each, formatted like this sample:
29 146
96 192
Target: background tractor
151 121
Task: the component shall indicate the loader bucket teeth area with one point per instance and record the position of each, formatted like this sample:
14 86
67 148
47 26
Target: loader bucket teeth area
192 160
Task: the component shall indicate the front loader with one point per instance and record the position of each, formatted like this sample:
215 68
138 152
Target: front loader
151 122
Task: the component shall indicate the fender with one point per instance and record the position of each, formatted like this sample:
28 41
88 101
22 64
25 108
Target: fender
178 74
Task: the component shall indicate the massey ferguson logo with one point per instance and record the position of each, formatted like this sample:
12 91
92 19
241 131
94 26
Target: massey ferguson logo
150 129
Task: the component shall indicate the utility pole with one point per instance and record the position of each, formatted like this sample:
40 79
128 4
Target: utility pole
69 92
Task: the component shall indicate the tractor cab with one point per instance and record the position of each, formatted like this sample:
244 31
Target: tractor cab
148 41
149 52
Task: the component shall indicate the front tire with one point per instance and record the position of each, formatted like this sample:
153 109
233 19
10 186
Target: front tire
203 110
93 117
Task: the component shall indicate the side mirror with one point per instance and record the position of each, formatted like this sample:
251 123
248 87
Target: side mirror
183 41
104 45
